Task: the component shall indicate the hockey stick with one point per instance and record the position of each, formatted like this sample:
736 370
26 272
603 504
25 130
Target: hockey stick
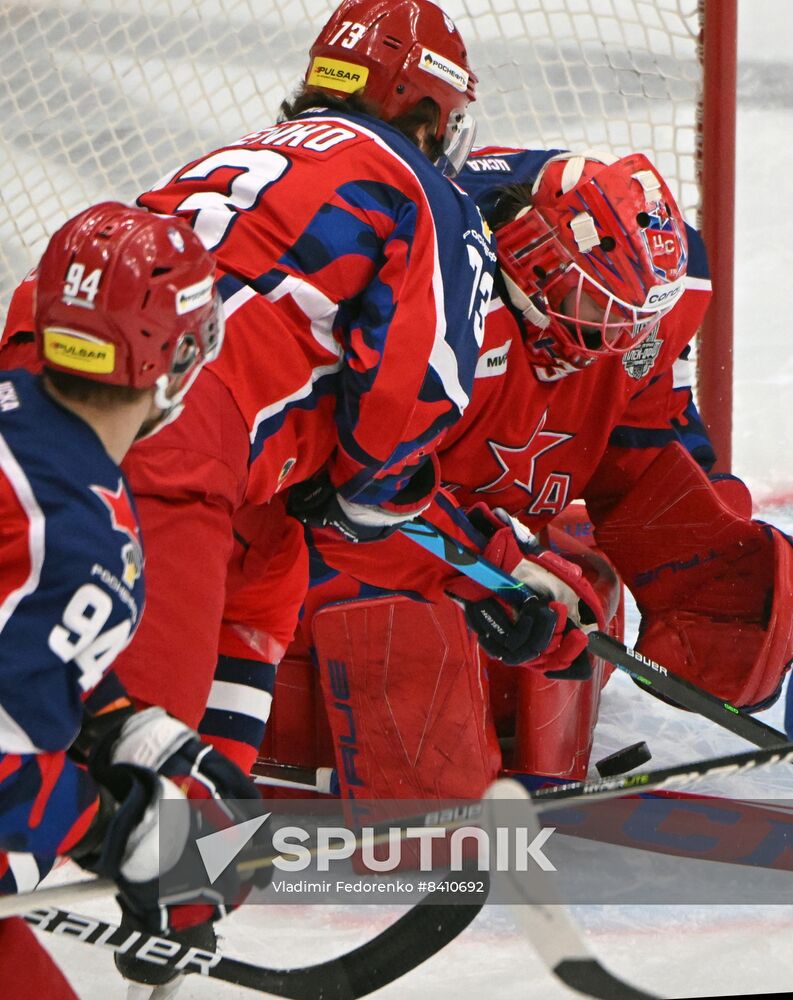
548 799
416 936
551 930
571 792
649 673
462 814
411 940
310 779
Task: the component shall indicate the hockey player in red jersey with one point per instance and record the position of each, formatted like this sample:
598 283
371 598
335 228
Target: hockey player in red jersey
355 277
126 314
578 394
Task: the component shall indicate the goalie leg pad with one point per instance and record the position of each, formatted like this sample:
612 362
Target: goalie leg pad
406 700
555 720
715 589
555 723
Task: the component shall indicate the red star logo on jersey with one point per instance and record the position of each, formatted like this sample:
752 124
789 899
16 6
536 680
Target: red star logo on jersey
121 515
515 460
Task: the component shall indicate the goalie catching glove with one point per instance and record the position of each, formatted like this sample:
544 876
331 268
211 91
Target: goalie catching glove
548 632
142 760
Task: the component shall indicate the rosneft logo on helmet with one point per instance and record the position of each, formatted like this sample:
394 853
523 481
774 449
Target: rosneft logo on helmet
78 351
453 74
337 75
194 296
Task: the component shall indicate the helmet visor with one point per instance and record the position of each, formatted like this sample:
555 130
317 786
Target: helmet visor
458 142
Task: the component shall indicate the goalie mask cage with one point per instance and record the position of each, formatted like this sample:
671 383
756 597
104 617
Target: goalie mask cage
100 98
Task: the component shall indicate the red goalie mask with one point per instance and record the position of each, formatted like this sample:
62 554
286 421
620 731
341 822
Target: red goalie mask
127 298
596 260
395 53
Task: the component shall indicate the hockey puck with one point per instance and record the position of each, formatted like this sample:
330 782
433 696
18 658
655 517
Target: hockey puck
624 760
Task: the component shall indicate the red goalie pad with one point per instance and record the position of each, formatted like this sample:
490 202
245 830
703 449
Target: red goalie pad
406 700
555 720
714 588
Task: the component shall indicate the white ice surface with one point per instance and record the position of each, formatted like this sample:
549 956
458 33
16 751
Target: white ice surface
676 951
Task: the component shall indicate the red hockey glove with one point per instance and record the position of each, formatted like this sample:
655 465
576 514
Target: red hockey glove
141 760
546 634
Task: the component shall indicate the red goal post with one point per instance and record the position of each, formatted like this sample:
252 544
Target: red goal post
100 100
716 176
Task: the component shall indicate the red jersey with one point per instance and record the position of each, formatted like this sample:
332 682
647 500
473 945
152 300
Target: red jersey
532 446
355 278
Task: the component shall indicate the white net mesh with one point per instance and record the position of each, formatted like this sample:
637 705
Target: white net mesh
100 99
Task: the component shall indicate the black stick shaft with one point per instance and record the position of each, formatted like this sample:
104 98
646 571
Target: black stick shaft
471 563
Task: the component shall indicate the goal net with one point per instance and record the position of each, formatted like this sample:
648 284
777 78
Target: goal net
100 98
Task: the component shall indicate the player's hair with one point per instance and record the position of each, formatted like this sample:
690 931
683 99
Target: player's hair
101 395
425 112
509 201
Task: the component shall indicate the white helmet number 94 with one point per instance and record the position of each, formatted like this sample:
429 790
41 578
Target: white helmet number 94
79 289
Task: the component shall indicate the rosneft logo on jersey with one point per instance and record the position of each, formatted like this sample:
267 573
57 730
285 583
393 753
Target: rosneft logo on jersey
337 75
78 351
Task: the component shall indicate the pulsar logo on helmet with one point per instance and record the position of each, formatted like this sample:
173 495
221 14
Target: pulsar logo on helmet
176 240
638 361
194 296
338 75
78 351
432 63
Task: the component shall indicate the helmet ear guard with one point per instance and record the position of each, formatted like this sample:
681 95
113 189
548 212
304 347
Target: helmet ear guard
395 53
600 255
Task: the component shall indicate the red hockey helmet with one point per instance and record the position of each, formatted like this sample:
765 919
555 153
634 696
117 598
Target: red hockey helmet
127 298
395 53
596 260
